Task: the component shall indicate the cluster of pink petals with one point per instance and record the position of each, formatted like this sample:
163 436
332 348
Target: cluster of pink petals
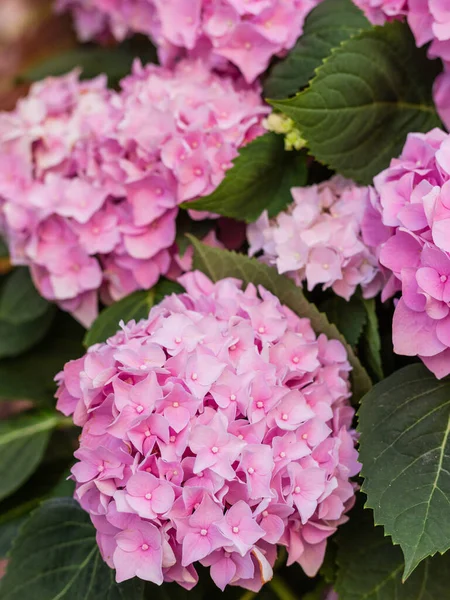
214 430
91 179
247 33
429 21
412 228
318 239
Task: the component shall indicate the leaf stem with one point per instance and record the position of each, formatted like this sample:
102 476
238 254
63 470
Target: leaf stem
281 589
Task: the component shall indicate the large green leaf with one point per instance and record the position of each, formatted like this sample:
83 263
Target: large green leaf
349 317
370 567
20 302
22 445
217 264
326 26
15 339
368 95
31 375
404 423
371 340
56 557
261 179
115 62
135 306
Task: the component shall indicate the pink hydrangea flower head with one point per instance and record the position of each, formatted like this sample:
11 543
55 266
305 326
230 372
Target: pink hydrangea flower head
91 179
246 34
414 222
203 443
318 239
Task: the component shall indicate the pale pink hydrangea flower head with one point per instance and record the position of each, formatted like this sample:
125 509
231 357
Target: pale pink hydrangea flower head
318 239
413 225
91 179
245 33
212 431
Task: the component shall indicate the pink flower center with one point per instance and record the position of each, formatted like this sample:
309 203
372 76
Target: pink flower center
260 404
144 547
177 340
233 347
148 496
214 449
285 417
194 376
265 513
297 489
261 329
233 397
443 278
282 454
101 468
305 436
296 360
235 529
147 433
139 409
250 470
176 404
172 438
203 532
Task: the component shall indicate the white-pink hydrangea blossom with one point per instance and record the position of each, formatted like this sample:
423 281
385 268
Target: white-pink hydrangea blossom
247 33
214 430
318 239
91 179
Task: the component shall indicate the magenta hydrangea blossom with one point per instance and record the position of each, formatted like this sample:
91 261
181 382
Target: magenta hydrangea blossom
318 239
91 179
246 33
212 431
412 227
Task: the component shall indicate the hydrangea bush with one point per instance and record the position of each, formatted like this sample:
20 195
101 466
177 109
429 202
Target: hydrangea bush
224 304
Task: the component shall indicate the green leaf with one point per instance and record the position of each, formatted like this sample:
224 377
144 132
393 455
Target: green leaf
135 306
31 376
4 252
20 302
366 97
404 423
370 567
371 340
115 62
56 557
326 27
187 225
349 317
261 179
217 264
22 445
15 339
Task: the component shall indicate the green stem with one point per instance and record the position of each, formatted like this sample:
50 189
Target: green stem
281 589
248 596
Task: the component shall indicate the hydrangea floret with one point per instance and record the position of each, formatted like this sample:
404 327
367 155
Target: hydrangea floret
319 239
91 179
412 227
246 34
212 431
